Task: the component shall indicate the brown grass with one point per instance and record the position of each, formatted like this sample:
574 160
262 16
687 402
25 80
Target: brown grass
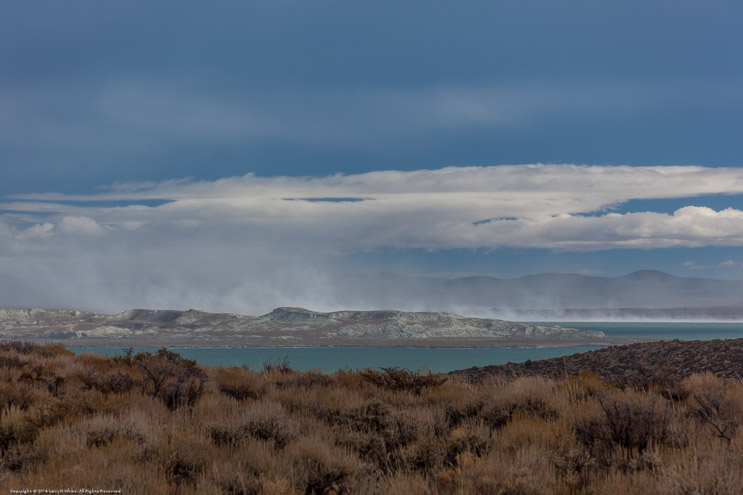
159 423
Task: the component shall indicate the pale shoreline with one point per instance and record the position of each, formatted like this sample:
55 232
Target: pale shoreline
329 343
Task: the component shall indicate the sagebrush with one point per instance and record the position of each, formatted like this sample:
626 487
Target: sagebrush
160 423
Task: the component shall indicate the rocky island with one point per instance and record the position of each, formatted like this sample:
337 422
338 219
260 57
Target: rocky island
282 326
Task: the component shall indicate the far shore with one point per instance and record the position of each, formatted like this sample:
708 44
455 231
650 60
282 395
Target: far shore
433 343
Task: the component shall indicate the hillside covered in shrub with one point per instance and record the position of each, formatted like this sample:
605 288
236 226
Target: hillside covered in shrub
665 361
159 423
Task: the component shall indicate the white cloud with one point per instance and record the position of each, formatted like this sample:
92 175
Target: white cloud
79 225
731 264
36 231
555 206
214 244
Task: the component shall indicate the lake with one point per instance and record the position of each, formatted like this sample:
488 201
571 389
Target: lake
432 358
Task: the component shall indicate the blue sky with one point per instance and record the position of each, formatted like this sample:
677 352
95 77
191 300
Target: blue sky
148 147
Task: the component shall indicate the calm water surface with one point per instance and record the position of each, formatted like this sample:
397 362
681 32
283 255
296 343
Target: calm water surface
435 359
335 358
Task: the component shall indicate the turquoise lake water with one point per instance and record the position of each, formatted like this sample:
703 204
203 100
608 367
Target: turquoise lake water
335 358
434 359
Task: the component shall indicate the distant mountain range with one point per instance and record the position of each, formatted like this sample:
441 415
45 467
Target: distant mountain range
642 295
645 294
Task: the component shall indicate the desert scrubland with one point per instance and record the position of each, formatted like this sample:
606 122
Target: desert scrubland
159 423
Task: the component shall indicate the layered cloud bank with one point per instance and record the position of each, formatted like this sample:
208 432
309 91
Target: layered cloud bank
555 206
244 243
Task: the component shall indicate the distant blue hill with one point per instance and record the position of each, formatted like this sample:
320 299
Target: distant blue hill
646 292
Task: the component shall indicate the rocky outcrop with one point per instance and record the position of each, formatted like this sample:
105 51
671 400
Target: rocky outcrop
281 325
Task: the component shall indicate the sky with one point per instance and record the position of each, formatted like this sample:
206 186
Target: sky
239 156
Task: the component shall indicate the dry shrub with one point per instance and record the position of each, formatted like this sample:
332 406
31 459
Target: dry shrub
474 438
113 466
463 410
22 457
586 385
629 422
240 384
213 407
312 378
523 430
320 467
52 350
101 430
11 361
713 405
97 362
18 346
21 395
526 472
323 404
402 380
16 427
524 396
695 471
425 456
17 434
280 367
175 380
184 458
406 484
641 377
227 477
573 466
279 431
265 421
112 382
370 430
497 415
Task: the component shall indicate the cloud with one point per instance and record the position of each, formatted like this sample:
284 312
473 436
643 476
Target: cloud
79 225
727 264
554 206
731 264
252 242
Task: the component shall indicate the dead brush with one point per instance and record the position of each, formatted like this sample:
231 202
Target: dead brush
239 383
397 379
586 385
10 361
320 467
665 379
184 458
266 421
713 404
377 432
474 438
526 396
52 350
629 423
18 394
392 438
16 427
18 346
498 414
108 383
175 380
281 367
103 429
